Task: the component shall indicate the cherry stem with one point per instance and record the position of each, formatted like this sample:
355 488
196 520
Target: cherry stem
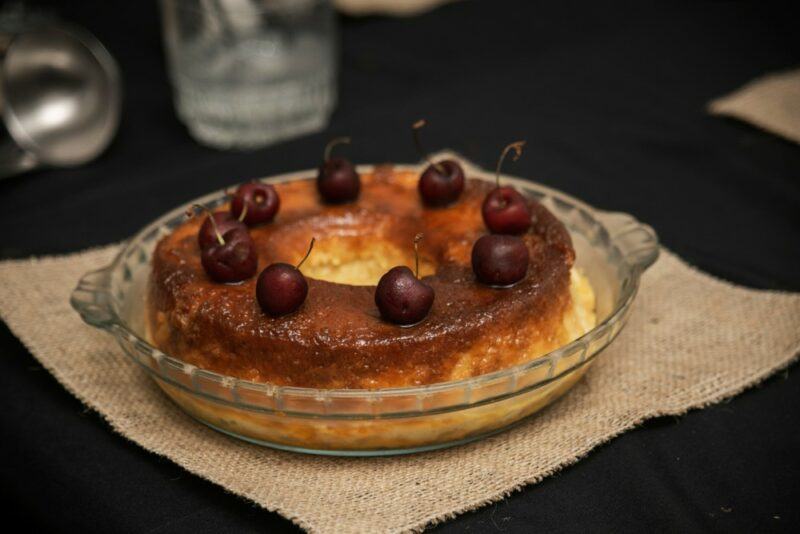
308 252
417 239
517 148
332 143
213 221
244 212
416 127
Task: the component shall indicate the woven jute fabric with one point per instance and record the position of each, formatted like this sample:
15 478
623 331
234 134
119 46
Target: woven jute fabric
771 102
691 340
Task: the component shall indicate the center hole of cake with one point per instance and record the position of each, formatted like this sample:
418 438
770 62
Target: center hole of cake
360 260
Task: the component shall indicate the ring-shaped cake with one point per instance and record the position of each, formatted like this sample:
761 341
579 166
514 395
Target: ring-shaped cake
337 339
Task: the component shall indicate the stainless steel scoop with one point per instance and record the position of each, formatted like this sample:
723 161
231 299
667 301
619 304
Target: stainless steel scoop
60 99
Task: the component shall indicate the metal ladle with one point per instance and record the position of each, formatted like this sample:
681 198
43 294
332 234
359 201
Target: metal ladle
60 99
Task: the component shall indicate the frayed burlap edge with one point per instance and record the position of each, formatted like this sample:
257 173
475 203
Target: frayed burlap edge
771 103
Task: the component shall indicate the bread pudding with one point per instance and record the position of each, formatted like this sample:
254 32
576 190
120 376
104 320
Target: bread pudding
337 338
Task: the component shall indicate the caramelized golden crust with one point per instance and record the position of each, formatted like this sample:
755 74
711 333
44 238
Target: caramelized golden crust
337 339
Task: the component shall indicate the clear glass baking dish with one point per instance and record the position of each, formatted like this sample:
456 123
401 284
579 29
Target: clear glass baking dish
612 249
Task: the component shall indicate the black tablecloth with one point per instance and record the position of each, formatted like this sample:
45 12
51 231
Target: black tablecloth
612 105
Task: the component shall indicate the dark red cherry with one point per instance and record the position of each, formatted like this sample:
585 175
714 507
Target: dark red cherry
262 203
225 222
401 297
281 288
505 210
231 258
500 260
337 179
441 183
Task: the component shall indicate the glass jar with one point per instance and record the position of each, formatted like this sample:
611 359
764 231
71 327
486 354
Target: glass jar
249 73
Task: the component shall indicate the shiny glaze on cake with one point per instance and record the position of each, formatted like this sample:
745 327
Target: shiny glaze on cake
337 338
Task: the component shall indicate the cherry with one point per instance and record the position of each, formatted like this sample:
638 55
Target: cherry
281 288
231 258
337 179
441 182
505 210
255 203
500 260
401 297
223 221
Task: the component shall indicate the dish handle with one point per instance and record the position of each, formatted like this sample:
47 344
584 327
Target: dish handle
92 298
636 240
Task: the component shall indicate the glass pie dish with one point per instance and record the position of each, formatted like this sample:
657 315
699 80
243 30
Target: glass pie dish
612 250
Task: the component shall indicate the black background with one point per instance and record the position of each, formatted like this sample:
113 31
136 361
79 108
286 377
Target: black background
611 101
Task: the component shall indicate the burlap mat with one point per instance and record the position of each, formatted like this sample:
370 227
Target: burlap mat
691 340
771 102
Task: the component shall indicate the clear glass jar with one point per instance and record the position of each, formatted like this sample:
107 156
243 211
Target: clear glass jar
249 73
